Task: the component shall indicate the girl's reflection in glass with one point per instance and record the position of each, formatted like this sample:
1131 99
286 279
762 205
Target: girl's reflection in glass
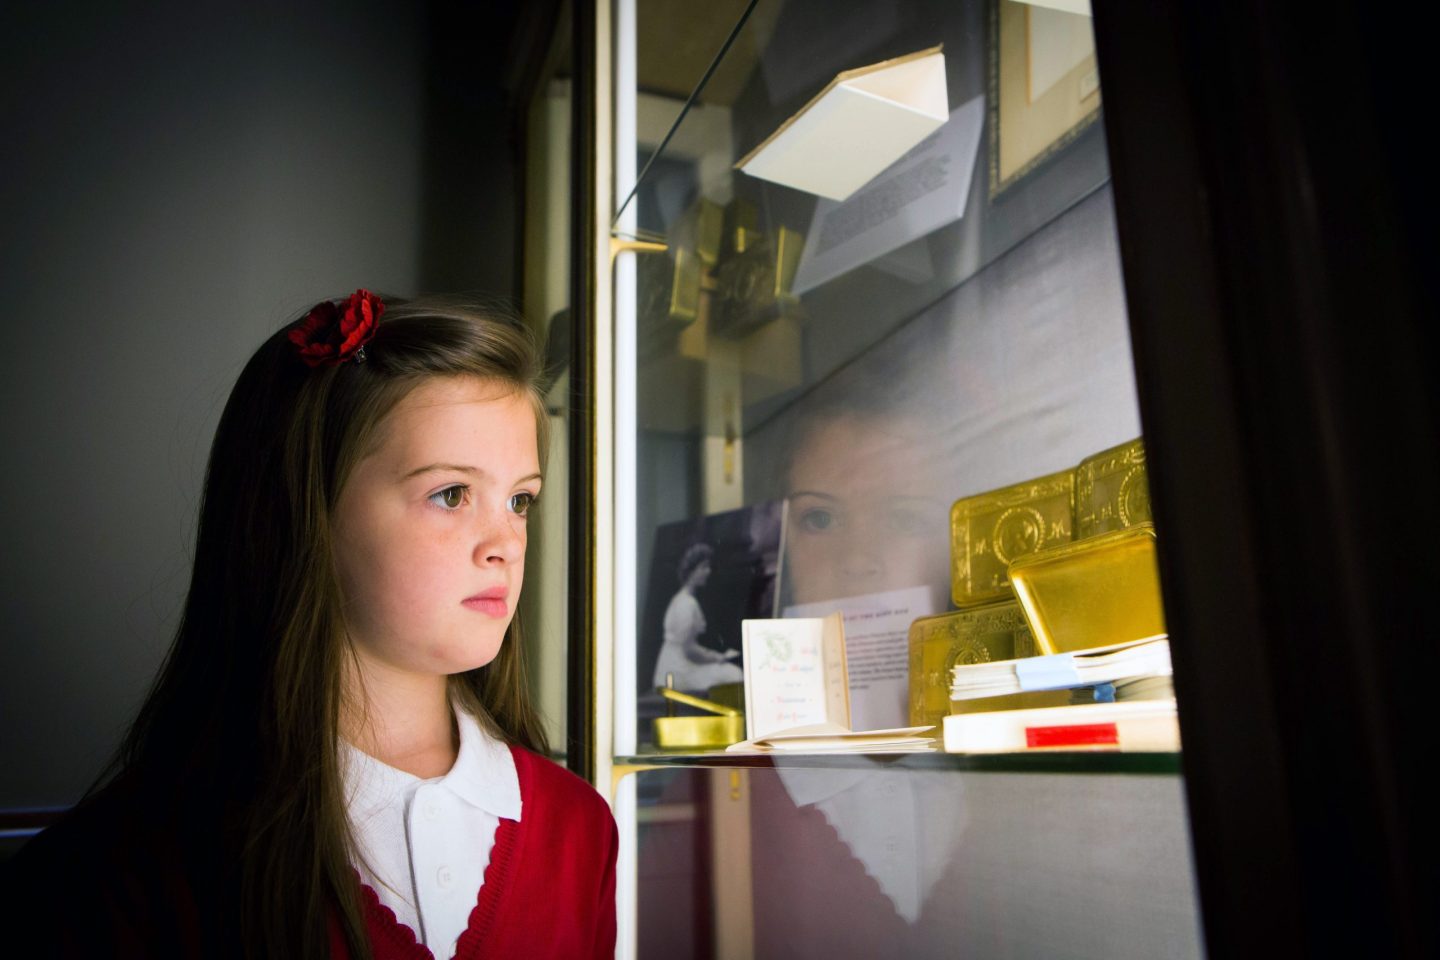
864 517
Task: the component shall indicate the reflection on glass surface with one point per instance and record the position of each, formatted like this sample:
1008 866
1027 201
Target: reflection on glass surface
856 366
1021 372
956 326
885 863
851 274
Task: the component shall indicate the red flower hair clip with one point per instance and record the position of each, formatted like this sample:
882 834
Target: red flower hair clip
330 334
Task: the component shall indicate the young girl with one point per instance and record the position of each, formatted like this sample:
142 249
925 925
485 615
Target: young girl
339 757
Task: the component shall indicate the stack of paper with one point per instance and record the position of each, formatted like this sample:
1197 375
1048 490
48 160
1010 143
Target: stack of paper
1116 664
1118 697
1141 688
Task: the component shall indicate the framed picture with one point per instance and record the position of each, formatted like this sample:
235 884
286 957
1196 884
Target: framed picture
1044 84
706 576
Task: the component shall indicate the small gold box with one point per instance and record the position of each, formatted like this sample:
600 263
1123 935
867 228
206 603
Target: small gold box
1092 593
1111 490
698 733
996 631
756 282
991 530
722 726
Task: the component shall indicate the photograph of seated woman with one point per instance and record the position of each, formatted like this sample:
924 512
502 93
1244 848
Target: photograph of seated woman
690 665
340 756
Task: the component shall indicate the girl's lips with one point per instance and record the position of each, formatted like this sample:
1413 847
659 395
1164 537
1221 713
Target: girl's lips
487 605
491 603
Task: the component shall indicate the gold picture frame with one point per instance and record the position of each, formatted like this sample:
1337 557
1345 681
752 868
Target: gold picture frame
1044 89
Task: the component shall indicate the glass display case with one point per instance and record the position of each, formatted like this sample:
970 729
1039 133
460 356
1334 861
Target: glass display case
935 314
804 386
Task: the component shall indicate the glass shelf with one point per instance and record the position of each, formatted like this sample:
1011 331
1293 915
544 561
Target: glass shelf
1077 762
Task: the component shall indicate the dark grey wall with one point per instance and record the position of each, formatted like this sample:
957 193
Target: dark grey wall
177 183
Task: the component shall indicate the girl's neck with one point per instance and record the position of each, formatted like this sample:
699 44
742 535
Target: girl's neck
406 721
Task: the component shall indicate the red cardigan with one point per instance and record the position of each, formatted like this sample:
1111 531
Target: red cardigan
108 881
549 890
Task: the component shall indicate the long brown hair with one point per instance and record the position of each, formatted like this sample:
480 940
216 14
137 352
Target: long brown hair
237 742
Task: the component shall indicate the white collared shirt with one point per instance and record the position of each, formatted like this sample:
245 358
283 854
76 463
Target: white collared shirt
428 842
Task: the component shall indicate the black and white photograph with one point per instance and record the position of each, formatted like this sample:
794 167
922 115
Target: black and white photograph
707 575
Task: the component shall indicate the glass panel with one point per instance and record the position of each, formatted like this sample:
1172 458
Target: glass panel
546 307
677 43
887 863
818 382
859 269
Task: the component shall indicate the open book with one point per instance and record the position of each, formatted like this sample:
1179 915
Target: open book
797 691
795 674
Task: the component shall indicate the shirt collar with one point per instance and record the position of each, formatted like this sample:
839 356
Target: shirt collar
484 774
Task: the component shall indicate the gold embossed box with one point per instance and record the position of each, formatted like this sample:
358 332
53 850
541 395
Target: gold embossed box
1111 490
990 531
1093 592
996 631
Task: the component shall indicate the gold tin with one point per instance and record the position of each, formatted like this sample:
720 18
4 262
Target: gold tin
730 695
698 733
756 282
997 631
1111 490
1092 593
709 231
990 531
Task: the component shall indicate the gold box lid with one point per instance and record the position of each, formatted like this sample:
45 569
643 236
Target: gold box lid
991 530
996 631
727 726
1112 491
1092 593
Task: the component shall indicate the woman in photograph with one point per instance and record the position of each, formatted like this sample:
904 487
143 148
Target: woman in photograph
685 663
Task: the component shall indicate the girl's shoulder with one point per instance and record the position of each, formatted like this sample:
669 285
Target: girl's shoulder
548 789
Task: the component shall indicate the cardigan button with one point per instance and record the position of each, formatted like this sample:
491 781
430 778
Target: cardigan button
443 878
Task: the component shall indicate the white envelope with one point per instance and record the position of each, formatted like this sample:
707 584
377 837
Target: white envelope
861 123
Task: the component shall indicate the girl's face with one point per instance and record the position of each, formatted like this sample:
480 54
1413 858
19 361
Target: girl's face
862 515
430 528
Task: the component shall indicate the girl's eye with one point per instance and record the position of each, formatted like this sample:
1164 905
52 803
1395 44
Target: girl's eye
451 498
817 520
521 503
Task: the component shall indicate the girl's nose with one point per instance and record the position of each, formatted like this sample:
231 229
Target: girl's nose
861 554
500 539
